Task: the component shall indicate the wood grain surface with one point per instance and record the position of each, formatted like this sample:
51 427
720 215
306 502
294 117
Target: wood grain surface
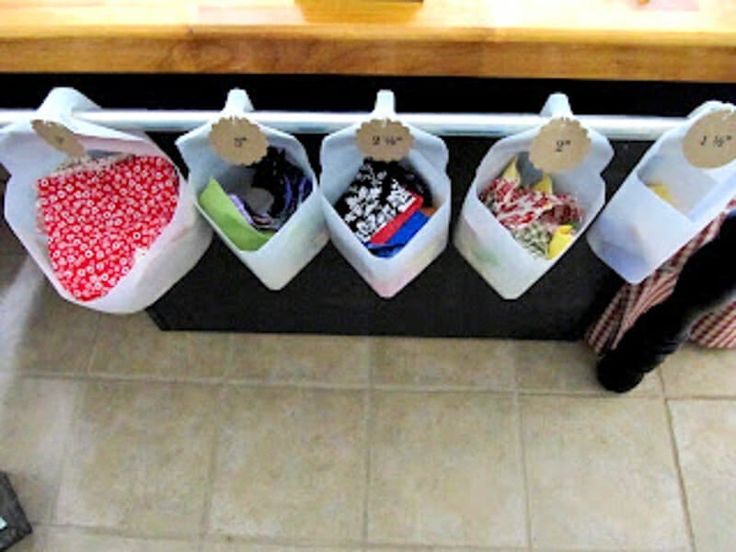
686 40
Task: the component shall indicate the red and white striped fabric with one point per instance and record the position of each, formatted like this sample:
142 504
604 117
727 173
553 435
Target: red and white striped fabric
714 330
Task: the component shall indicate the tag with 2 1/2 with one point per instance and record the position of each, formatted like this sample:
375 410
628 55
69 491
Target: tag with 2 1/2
384 140
561 145
238 141
711 140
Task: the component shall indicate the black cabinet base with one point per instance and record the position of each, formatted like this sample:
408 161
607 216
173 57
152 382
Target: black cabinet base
449 299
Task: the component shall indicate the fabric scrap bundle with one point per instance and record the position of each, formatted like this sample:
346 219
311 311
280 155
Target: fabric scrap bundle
385 206
543 221
250 214
101 215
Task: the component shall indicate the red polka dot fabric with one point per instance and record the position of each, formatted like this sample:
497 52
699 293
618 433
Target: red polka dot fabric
101 216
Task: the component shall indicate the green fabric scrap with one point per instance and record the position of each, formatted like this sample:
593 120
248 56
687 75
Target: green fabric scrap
534 237
218 206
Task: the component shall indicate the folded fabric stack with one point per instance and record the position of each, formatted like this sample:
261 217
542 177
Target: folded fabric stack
541 220
101 215
250 214
385 206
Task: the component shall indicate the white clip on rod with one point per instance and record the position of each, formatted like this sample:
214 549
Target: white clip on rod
615 127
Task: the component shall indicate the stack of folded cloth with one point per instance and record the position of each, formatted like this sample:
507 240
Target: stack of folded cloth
385 206
525 202
100 214
250 214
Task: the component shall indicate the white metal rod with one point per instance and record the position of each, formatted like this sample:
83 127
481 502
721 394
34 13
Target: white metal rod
616 127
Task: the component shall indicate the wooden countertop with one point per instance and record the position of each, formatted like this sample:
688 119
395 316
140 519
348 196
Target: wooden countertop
690 40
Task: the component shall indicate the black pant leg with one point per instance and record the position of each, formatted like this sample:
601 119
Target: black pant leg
707 281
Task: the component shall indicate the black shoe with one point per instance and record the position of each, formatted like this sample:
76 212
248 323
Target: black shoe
614 374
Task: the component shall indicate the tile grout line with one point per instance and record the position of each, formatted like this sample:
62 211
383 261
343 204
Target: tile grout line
388 388
419 547
368 440
680 476
662 384
95 345
332 386
212 460
79 395
118 532
524 471
701 398
295 542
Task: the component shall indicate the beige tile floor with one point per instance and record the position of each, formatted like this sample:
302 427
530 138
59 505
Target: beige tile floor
120 438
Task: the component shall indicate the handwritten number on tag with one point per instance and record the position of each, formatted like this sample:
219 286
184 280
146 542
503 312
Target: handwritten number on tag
384 140
238 141
717 140
561 144
711 141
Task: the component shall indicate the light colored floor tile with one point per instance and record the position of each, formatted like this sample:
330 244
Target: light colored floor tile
697 371
35 420
39 331
482 363
445 469
35 542
601 474
706 440
561 366
301 359
139 458
149 351
291 464
70 540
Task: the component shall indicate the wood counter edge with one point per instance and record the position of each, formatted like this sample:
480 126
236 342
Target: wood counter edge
663 56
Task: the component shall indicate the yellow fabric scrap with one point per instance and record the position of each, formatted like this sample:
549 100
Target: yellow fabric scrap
662 191
544 185
560 241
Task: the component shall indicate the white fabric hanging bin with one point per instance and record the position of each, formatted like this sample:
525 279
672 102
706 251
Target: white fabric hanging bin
341 159
302 236
639 230
29 158
488 246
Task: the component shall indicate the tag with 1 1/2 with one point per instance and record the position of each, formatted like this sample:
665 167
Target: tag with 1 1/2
238 141
711 140
384 140
561 145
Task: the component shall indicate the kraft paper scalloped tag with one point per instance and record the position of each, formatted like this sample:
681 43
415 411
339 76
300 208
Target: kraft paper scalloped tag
711 141
238 141
59 137
560 145
384 140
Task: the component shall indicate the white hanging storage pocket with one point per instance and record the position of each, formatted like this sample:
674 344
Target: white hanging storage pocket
683 182
386 197
105 214
533 195
256 188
